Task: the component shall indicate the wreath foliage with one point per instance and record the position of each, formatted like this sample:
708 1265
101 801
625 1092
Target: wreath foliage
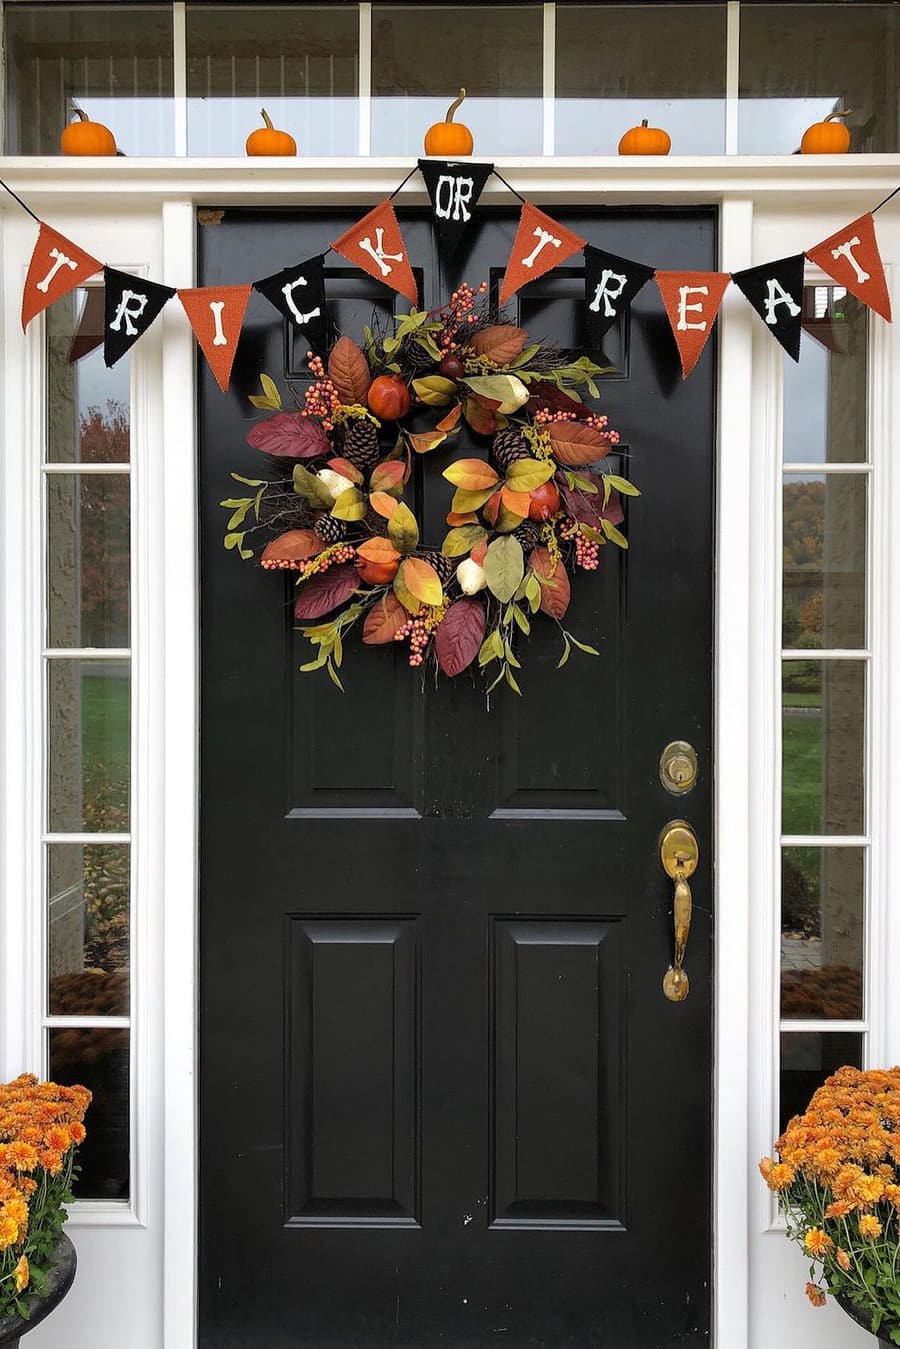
537 506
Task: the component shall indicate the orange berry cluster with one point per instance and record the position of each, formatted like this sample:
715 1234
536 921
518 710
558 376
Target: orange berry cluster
338 552
321 399
459 313
419 636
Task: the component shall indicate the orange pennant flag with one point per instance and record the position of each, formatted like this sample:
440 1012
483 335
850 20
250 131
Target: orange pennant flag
692 301
376 245
851 256
216 314
540 245
57 266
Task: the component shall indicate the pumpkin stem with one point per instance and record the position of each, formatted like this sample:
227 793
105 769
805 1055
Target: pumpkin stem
454 106
268 121
644 122
842 112
82 116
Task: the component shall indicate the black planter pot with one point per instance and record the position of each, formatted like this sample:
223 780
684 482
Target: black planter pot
862 1320
60 1277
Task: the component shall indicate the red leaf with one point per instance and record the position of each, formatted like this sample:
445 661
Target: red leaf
588 507
555 589
349 371
289 436
326 591
547 395
501 342
295 545
384 620
575 445
479 417
459 635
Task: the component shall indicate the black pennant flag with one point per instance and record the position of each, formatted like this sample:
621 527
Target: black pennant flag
298 293
610 285
775 290
453 189
129 307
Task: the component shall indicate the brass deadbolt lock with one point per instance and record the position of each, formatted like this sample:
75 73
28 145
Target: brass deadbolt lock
678 767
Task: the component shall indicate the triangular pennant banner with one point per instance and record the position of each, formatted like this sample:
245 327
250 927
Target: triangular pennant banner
130 307
376 245
540 245
851 256
57 266
216 314
692 302
298 293
610 285
775 289
453 190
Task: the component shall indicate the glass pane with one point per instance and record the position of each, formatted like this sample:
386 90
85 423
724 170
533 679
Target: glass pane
807 1059
300 62
822 933
825 392
799 63
824 560
421 56
98 1060
88 552
89 720
618 64
88 928
823 724
88 418
114 62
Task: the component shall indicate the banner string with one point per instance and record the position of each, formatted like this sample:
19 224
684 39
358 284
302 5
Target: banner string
515 191
890 196
398 190
15 196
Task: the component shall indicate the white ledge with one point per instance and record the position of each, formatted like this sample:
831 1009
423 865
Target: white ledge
614 180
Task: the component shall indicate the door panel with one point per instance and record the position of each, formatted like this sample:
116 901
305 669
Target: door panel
443 1099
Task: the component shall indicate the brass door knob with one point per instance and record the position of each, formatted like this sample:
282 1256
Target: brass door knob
678 767
679 853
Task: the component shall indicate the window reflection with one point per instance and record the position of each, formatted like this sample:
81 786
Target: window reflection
825 394
823 747
88 927
89 721
88 418
88 562
807 1059
822 932
99 1060
824 561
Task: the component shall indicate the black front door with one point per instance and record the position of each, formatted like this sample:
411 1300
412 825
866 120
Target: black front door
443 1098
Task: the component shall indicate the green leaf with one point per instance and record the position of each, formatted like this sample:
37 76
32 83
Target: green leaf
525 356
311 488
613 534
533 592
521 621
511 681
249 482
510 654
567 651
507 390
427 343
622 485
504 567
350 505
434 390
333 676
402 529
464 501
583 484
270 397
526 474
583 646
462 539
491 648
236 540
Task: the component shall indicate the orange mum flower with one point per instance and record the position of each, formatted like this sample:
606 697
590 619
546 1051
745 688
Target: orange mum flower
59 1138
816 1295
22 1275
869 1226
9 1232
843 1260
817 1242
21 1156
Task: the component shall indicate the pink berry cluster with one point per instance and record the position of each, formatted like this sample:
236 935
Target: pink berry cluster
321 399
587 553
597 422
459 313
544 416
419 635
329 557
600 423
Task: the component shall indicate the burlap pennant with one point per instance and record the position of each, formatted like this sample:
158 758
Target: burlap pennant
692 301
131 305
216 314
376 245
57 266
851 256
540 245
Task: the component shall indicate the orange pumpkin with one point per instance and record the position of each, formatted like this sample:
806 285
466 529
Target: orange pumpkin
827 138
388 398
376 573
645 140
449 139
268 140
84 137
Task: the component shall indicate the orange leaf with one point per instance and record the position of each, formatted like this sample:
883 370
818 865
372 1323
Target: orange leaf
449 422
501 342
575 444
346 469
516 502
492 508
422 581
462 518
383 504
387 475
378 549
424 441
478 552
555 589
349 371
295 545
472 475
384 620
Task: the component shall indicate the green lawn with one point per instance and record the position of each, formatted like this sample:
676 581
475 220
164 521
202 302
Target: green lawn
801 792
106 751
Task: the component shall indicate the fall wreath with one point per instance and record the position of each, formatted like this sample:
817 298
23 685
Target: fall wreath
523 518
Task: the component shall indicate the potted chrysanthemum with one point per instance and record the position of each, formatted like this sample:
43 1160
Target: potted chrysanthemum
837 1177
41 1127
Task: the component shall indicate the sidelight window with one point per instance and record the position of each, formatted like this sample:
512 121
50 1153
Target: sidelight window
87 834
826 671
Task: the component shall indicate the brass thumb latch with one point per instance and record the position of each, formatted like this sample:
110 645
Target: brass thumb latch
679 854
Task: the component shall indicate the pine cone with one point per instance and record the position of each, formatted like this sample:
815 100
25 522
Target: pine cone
444 566
509 446
528 535
374 523
329 529
361 444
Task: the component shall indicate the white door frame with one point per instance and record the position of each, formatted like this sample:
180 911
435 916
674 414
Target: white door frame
162 194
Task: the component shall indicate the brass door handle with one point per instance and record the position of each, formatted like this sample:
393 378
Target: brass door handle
679 854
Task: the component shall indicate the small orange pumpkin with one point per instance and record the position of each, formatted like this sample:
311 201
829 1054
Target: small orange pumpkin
645 140
84 137
449 139
268 140
827 138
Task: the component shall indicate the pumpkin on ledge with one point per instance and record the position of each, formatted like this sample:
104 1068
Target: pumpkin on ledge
449 139
84 137
645 140
268 140
830 137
